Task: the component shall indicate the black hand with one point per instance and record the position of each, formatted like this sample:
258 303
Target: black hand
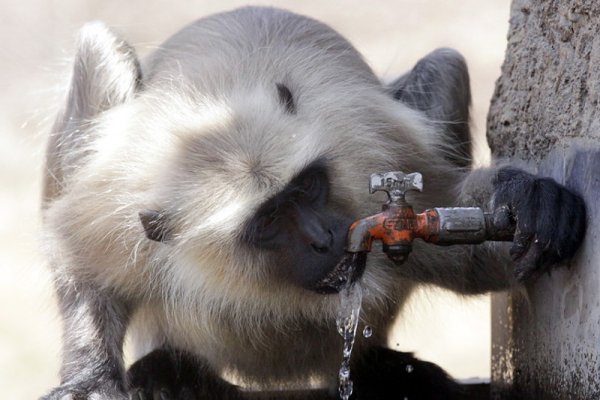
168 374
550 220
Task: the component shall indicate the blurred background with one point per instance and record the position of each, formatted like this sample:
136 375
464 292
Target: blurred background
36 43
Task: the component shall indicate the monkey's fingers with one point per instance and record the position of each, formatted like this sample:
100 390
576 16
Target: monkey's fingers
529 264
521 244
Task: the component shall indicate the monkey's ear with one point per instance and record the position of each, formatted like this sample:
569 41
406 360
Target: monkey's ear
438 85
155 225
106 72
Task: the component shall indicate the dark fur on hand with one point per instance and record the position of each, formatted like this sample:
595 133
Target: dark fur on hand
168 374
550 220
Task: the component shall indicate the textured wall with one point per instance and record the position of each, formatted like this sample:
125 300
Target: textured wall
546 339
549 89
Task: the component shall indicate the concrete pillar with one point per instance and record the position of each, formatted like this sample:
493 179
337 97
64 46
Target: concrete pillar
546 337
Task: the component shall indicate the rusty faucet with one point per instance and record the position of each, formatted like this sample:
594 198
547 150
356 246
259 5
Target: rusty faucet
397 225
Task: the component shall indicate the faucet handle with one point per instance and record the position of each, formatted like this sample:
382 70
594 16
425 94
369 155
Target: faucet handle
395 184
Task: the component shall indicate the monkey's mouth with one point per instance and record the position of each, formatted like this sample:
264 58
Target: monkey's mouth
345 273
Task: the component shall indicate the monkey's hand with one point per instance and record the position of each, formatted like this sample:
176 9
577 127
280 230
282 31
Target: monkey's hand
172 374
549 218
96 389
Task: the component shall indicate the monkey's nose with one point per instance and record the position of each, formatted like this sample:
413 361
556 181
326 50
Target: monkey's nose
323 244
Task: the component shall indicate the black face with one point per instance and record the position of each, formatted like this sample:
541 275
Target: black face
306 237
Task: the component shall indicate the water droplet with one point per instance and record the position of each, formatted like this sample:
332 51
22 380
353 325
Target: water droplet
346 390
409 368
344 375
368 331
347 322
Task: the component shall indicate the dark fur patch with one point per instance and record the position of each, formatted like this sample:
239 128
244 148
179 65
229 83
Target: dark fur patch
550 220
286 98
155 226
387 374
175 374
439 86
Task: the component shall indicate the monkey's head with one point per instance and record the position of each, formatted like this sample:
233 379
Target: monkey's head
251 189
225 166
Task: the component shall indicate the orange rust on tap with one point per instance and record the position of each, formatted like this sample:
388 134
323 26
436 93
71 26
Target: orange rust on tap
428 225
368 227
395 225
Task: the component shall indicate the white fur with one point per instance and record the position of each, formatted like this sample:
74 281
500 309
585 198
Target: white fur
207 141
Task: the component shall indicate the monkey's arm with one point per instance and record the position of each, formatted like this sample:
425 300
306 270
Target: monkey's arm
380 373
106 73
94 324
550 218
174 374
550 226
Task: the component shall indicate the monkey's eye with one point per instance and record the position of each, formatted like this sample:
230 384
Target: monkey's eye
312 188
266 226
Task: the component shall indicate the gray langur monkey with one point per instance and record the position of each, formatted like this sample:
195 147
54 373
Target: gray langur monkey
196 199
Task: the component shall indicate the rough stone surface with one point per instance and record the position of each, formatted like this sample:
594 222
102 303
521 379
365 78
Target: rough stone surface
549 88
546 337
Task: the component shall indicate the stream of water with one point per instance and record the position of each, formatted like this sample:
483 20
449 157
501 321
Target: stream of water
347 322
